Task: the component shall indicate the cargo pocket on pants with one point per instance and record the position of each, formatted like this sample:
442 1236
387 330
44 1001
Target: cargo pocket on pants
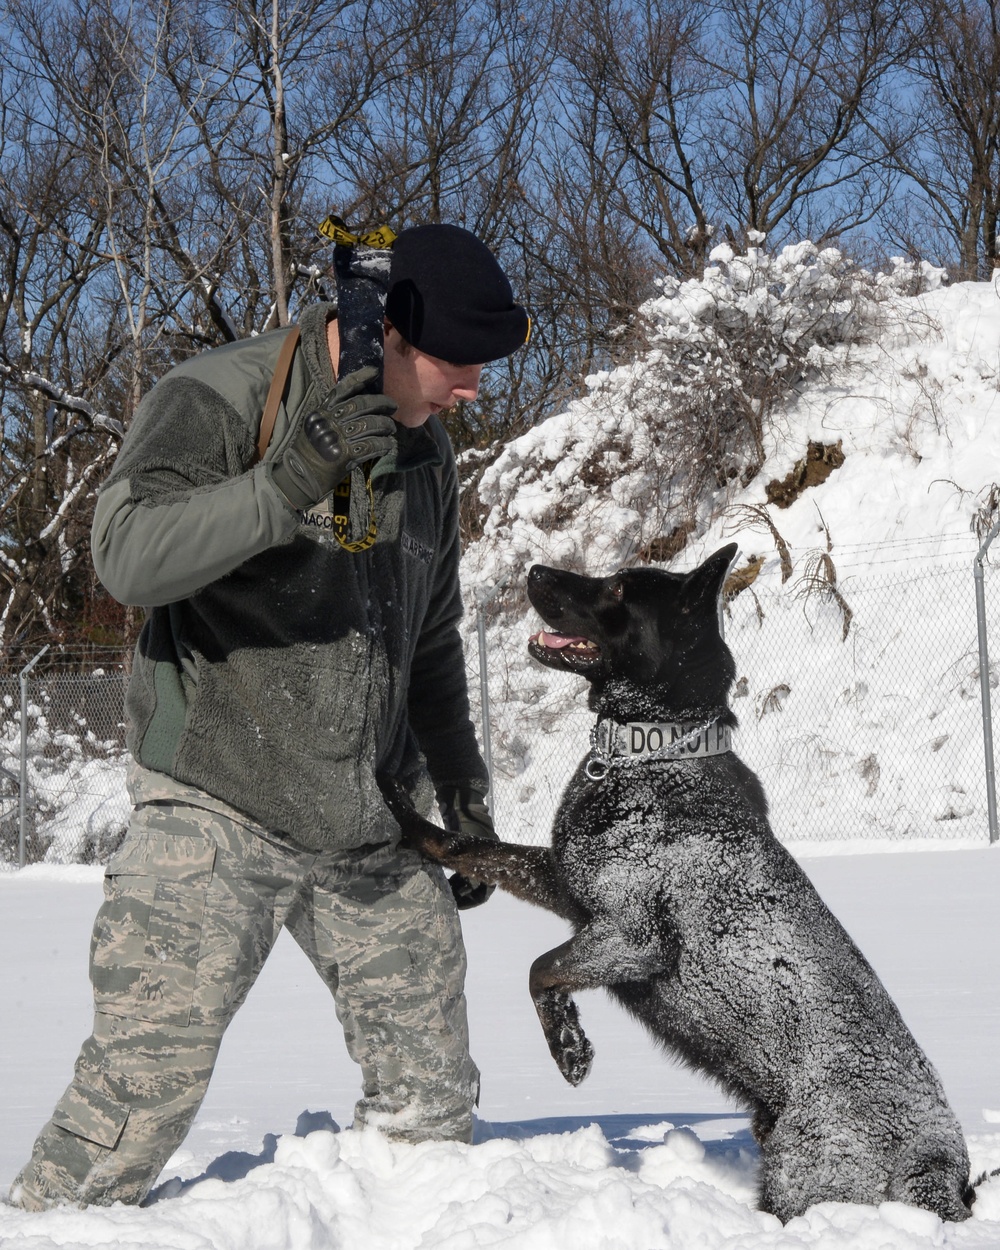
147 940
91 1115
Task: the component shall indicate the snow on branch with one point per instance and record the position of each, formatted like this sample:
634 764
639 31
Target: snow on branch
61 396
61 514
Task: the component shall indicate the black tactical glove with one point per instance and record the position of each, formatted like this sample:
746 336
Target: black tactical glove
463 809
323 446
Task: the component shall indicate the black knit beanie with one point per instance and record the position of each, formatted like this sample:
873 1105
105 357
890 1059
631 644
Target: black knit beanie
449 297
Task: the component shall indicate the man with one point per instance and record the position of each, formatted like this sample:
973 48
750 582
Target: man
294 650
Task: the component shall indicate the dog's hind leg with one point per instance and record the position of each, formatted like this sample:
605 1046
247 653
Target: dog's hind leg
599 955
931 1176
804 1161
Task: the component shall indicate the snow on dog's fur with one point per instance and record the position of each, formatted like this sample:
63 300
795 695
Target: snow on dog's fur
691 913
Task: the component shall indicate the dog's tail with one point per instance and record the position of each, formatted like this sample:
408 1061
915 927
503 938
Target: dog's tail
981 1179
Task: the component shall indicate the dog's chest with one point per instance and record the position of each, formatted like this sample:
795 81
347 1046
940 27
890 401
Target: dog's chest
608 830
648 829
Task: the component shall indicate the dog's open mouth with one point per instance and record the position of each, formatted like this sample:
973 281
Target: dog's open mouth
569 651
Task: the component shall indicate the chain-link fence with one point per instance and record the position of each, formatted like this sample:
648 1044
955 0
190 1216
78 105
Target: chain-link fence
866 719
858 701
69 752
859 707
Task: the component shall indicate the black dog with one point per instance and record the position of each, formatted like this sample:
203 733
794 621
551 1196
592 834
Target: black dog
687 908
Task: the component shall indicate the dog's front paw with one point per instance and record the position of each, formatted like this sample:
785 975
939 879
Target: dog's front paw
574 1056
415 832
568 1044
428 839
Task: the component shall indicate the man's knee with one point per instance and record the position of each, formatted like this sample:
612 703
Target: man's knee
187 922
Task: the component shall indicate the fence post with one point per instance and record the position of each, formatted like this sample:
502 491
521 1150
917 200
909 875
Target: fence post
23 798
984 682
483 598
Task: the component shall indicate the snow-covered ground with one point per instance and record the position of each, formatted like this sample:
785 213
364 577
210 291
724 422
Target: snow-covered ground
643 1155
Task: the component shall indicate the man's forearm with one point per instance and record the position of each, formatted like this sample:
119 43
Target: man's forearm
439 716
153 553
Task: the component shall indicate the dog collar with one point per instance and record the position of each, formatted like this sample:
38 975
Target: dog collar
652 741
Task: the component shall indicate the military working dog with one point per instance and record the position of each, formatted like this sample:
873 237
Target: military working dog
690 912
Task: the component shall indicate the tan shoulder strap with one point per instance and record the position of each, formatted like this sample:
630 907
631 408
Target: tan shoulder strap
277 390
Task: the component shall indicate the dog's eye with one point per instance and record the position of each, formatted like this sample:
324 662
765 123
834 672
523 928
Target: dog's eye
617 589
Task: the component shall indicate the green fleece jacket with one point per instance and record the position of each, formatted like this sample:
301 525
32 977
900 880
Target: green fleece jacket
276 670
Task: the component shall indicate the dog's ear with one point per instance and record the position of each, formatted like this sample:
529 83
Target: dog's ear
704 584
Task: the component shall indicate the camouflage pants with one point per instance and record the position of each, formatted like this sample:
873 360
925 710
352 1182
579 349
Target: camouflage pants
193 903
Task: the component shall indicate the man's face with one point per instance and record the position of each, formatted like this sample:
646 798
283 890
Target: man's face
422 384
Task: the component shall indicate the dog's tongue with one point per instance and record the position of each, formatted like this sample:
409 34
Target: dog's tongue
555 641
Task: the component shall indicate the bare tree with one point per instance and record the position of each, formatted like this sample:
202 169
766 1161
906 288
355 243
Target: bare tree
953 160
56 357
800 118
308 75
635 89
153 200
739 115
446 134
115 254
163 169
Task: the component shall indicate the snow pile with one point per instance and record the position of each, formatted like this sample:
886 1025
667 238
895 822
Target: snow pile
626 463
356 1191
858 516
